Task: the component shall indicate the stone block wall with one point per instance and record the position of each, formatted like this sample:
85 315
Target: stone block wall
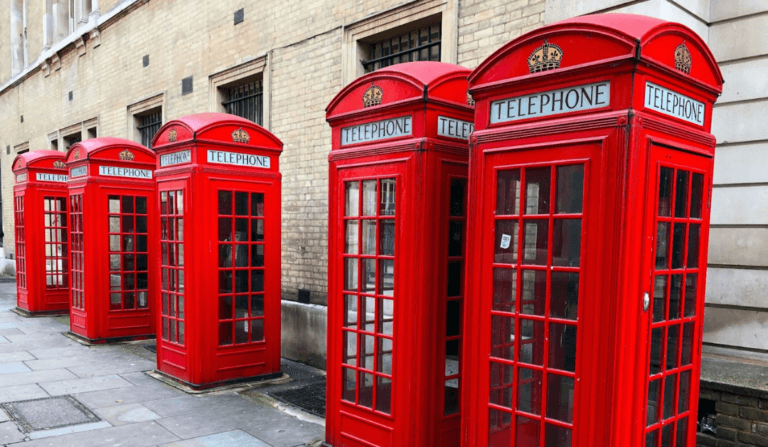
742 420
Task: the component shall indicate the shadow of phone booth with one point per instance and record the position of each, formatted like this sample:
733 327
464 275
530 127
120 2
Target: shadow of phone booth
112 222
397 214
40 216
219 192
591 177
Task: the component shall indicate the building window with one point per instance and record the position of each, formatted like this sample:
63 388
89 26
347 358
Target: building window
149 124
69 140
245 100
419 44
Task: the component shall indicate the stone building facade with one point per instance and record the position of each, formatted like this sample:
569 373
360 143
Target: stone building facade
76 69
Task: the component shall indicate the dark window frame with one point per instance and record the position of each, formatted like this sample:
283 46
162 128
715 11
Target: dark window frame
148 125
245 99
419 42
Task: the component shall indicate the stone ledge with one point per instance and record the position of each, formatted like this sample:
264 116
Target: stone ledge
736 376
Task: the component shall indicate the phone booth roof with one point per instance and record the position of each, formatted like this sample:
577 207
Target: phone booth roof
603 40
108 149
215 128
405 84
43 159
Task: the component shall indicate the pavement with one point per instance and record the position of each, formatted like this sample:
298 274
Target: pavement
104 398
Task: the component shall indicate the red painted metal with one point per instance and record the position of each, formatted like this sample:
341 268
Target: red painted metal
576 216
219 197
111 188
396 246
40 211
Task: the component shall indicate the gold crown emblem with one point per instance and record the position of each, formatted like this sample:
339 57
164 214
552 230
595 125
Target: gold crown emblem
172 135
470 99
20 164
58 164
126 155
683 60
373 96
77 155
240 136
546 57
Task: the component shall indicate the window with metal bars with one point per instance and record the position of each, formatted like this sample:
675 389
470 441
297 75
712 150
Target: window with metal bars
148 126
421 44
246 101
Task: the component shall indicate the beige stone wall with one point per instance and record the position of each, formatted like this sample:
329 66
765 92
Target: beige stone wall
35 12
5 43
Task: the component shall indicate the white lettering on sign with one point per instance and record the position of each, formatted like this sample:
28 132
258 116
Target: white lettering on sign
553 102
238 159
78 171
175 158
674 104
114 171
21 178
378 130
42 177
453 128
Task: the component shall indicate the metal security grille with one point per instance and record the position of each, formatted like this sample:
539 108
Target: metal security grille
128 253
149 125
21 249
56 256
246 101
241 267
422 44
172 260
76 239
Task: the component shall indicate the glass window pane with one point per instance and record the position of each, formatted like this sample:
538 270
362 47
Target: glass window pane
531 346
241 255
566 242
529 391
257 329
141 224
693 246
666 435
686 356
508 192
369 198
181 332
115 301
451 399
114 226
367 314
684 396
665 192
369 276
652 439
352 207
387 277
535 240
225 281
499 428
560 398
257 204
369 236
350 348
534 294
387 238
241 281
365 392
570 189
257 280
675 296
453 318
351 244
670 383
241 229
556 436
388 196
682 432
659 299
697 195
506 241
225 202
241 306
653 402
257 305
114 205
501 384
678 245
384 362
257 255
504 289
564 301
537 182
127 204
502 337
383 395
455 238
458 188
114 243
114 262
348 384
681 194
225 255
241 331
662 246
241 203
257 230
164 202
657 338
385 317
141 205
562 347
350 274
225 229
673 340
225 333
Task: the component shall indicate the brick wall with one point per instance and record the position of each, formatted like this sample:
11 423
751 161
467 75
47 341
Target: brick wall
742 420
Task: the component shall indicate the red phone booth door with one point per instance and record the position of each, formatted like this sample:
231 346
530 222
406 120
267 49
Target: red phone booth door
538 207
128 252
172 262
21 249
678 215
369 210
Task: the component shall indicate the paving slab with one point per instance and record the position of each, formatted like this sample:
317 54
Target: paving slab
283 430
10 433
127 395
228 439
29 377
127 414
21 392
16 356
194 404
15 367
113 366
143 434
62 387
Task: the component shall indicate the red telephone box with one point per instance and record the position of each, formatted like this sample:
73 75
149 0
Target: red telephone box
219 197
40 212
112 222
397 224
591 177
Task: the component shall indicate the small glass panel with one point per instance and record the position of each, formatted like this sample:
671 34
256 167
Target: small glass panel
562 346
652 439
241 203
570 189
257 204
682 432
454 279
531 346
350 348
257 255
506 241
670 383
351 245
556 436
686 356
535 240
365 392
350 311
369 237
660 299
348 384
352 207
455 238
673 338
504 289
384 362
681 194
388 195
114 205
675 296
665 192
566 243
564 301
697 195
387 238
225 307
502 337
529 392
560 398
662 246
693 246
387 277
350 274
385 317
225 333
501 384
499 428
537 183
657 338
653 402
225 202
241 331
508 192
457 197
369 276
369 198
383 394
534 295
684 395
666 435
257 329
678 245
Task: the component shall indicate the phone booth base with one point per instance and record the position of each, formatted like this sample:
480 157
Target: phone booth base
40 215
591 176
219 302
111 190
397 215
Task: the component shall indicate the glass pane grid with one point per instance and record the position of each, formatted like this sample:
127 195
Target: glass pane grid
674 316
423 44
21 264
128 252
172 280
368 265
241 272
77 288
55 232
535 305
246 101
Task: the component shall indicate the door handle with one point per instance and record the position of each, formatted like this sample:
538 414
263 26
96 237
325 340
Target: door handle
646 302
